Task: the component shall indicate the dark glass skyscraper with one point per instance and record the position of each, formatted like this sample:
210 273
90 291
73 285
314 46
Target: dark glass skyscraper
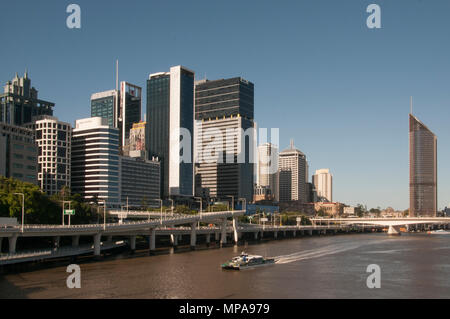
422 169
170 106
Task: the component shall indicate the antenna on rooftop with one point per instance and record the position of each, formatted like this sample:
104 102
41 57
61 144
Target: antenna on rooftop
117 75
292 143
411 105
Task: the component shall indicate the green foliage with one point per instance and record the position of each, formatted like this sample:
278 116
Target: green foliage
360 210
40 208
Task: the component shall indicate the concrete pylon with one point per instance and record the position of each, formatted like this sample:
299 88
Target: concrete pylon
394 230
133 242
208 238
1 242
12 241
56 242
75 241
235 230
294 233
223 238
152 239
275 234
256 235
97 242
193 235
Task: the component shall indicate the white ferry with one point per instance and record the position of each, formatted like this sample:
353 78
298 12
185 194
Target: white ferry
439 232
245 261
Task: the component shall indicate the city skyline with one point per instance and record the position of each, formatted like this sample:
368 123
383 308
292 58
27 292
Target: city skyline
361 94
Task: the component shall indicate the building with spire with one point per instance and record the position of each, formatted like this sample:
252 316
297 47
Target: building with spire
19 102
422 169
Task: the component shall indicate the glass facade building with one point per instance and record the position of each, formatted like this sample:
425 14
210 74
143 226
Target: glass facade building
422 169
104 104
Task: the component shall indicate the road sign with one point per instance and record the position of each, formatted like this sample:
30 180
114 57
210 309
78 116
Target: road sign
264 219
69 212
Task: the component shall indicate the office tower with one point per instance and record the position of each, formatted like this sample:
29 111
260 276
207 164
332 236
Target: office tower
323 182
292 175
170 108
221 107
121 107
267 171
422 169
106 105
136 146
18 153
19 102
311 193
130 109
139 181
95 160
53 139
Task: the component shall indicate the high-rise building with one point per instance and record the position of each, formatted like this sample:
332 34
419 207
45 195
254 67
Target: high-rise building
18 153
422 169
170 113
267 171
224 106
139 181
19 102
323 182
95 160
292 175
121 107
53 139
130 109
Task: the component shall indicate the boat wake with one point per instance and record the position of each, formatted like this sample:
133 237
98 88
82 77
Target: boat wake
320 252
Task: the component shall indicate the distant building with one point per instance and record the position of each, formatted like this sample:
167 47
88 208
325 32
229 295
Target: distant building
292 175
297 206
18 153
311 193
422 169
95 161
331 209
349 211
136 145
224 106
170 110
262 193
267 170
323 183
19 102
139 181
53 139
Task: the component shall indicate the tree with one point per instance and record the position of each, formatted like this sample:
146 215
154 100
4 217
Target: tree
360 210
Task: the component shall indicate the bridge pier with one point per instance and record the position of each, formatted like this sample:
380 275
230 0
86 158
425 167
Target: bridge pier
109 238
310 232
284 234
97 242
174 240
193 235
235 230
294 233
12 241
133 243
1 242
223 238
208 239
275 234
255 234
75 241
152 239
216 236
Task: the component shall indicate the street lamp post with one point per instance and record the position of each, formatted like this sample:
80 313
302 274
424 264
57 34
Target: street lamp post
23 208
104 214
201 207
171 200
161 206
232 201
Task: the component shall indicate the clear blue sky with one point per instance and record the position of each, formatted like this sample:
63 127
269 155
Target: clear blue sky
339 89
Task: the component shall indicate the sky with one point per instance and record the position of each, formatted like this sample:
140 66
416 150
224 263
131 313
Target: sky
339 89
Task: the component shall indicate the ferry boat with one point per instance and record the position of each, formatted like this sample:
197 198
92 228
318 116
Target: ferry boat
245 261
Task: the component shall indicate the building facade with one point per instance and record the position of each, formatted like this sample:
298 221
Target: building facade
170 114
53 139
139 181
95 161
323 183
130 109
18 153
19 102
225 139
106 105
293 175
422 169
267 171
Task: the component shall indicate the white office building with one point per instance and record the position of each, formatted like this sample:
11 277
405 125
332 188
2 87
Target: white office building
292 175
323 182
267 170
95 161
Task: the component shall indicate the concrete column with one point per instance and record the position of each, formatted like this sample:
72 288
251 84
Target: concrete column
294 233
12 241
1 242
133 242
217 236
75 241
174 240
256 235
97 241
235 230
223 238
284 233
56 242
393 230
193 235
275 234
302 232
152 239
208 238
310 232
109 238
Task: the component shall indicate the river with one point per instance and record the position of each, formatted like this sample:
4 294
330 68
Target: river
412 266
